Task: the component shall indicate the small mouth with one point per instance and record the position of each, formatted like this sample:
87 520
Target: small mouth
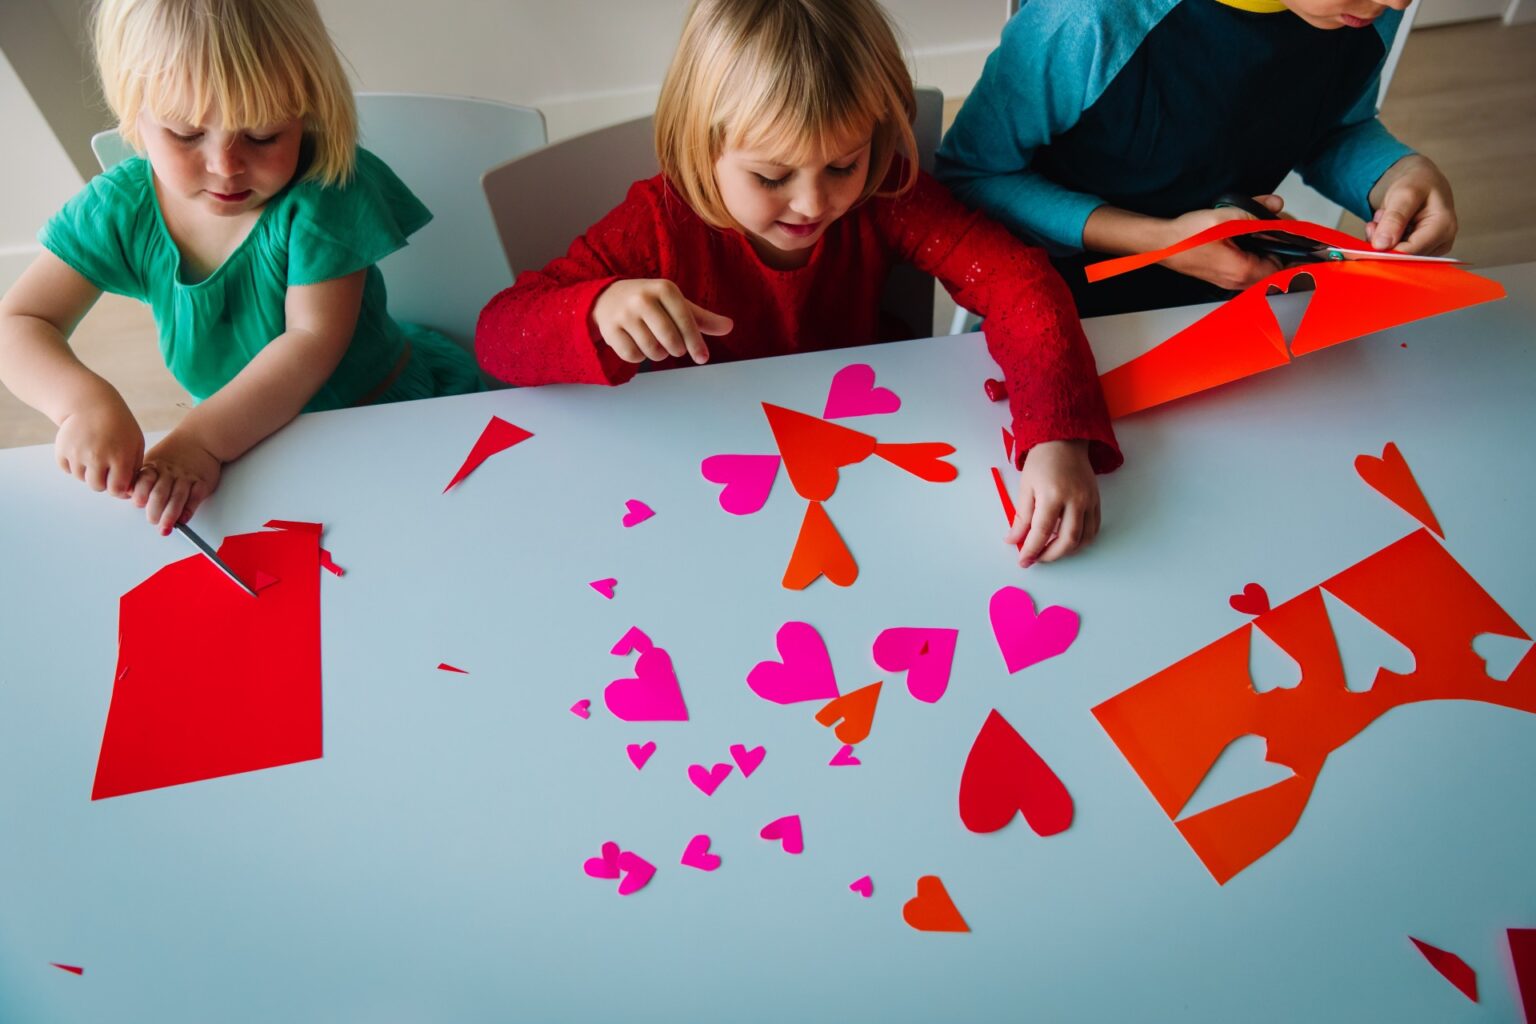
231 197
1350 21
799 230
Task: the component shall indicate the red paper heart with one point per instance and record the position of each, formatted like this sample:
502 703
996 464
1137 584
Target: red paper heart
931 910
1254 600
814 450
1004 776
924 460
1392 478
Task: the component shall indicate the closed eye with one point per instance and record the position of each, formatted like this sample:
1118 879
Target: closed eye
844 171
768 182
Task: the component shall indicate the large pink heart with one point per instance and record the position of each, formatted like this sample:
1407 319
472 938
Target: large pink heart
924 654
651 695
853 393
748 480
1024 637
804 673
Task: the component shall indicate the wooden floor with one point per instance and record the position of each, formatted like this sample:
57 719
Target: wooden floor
1465 95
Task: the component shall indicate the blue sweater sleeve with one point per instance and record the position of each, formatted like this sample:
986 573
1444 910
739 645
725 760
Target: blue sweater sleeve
1056 59
1359 150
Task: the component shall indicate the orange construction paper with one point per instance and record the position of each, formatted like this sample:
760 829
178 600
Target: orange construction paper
924 460
1173 725
931 910
1106 269
819 551
814 450
856 710
1391 477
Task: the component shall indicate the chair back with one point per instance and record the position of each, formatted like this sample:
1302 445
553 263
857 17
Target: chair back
110 149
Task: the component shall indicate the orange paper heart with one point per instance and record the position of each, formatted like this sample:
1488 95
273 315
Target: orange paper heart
924 460
814 450
931 910
819 551
857 712
1392 478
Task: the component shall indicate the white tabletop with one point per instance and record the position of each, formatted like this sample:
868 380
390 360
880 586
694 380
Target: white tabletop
428 868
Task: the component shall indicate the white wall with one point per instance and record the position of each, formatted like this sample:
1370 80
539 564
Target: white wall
36 176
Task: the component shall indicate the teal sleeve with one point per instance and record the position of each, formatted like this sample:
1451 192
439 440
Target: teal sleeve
334 231
103 232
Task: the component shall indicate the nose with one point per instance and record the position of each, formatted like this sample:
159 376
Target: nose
225 161
810 202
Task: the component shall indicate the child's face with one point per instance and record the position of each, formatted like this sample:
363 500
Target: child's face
786 207
222 173
1342 13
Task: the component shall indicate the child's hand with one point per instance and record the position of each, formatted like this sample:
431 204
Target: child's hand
101 445
1058 502
1414 209
178 474
650 319
1221 263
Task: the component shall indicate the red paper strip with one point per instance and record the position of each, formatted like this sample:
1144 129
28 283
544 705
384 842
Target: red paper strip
330 566
1003 777
69 968
819 551
814 450
498 436
1452 967
288 524
443 666
1522 950
1390 476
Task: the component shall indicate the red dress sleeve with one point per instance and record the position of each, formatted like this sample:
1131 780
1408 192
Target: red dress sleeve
1031 324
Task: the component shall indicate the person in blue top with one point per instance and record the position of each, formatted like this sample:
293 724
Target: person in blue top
1101 127
251 226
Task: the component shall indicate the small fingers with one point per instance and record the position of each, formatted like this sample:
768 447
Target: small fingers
1069 535
1019 528
667 331
143 484
654 350
95 476
680 310
174 504
623 345
1388 228
1042 526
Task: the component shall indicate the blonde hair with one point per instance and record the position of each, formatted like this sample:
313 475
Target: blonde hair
252 63
787 76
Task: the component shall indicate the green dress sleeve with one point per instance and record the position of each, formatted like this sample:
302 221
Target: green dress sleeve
106 231
338 230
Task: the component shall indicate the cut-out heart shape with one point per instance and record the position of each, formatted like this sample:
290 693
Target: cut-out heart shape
1390 476
498 436
1254 600
748 480
1242 768
639 753
924 460
787 831
605 587
1025 638
814 450
1004 776
606 865
638 872
804 671
747 760
1451 967
853 393
864 886
443 666
708 779
652 694
634 639
582 708
696 854
636 512
931 910
926 655
1501 654
844 758
819 551
855 710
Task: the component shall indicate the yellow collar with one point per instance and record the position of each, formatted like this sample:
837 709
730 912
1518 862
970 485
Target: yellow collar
1256 6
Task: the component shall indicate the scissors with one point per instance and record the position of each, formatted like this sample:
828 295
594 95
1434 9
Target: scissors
202 545
1293 250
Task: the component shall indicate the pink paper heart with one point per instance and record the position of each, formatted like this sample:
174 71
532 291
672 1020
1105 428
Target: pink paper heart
604 587
844 758
582 708
697 855
787 831
853 393
708 779
804 671
1025 638
636 512
926 655
652 694
747 760
605 866
638 872
639 753
748 480
634 639
863 886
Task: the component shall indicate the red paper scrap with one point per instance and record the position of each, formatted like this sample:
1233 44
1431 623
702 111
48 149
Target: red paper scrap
1254 600
1454 969
67 967
855 711
445 667
1390 476
924 460
498 436
238 690
1008 445
288 524
931 910
1522 950
1009 511
330 566
1003 777
819 551
814 450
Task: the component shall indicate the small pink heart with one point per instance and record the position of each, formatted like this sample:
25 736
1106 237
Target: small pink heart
1025 638
639 753
697 855
605 866
638 872
747 760
582 708
853 393
708 779
636 513
804 673
844 758
787 831
634 639
924 654
604 587
863 886
748 480
652 694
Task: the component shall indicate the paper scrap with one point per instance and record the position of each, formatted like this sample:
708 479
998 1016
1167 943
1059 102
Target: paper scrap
1522 951
498 436
69 967
1452 967
606 587
636 512
864 886
582 708
844 758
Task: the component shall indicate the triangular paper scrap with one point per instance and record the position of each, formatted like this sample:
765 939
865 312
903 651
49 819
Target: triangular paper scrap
498 436
1452 967
1522 952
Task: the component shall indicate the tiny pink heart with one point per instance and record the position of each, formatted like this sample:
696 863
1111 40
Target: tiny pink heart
638 872
863 886
844 758
605 866
652 694
747 760
924 654
853 393
582 708
708 779
748 480
639 753
697 855
804 671
787 831
1025 638
636 512
604 587
634 639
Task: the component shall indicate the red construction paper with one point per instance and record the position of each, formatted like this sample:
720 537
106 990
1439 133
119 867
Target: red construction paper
814 450
1254 600
498 436
855 710
1004 776
220 684
1522 950
1390 476
1173 725
445 667
819 551
1008 445
931 910
924 460
1452 967
330 566
1009 512
69 968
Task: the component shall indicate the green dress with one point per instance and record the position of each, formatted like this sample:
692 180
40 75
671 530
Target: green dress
112 233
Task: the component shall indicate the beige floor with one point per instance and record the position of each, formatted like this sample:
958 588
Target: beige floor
1464 94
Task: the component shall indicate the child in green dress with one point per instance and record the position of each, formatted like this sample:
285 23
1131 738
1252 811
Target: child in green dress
251 225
